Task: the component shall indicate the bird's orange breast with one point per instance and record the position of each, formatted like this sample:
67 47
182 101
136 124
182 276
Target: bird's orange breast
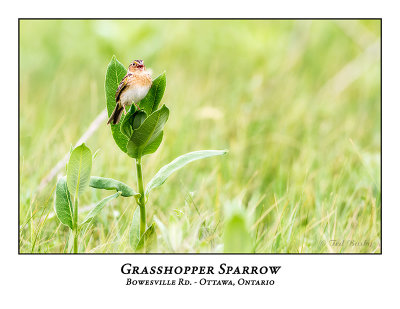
142 79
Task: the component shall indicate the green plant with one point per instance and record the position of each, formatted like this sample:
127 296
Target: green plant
70 187
140 133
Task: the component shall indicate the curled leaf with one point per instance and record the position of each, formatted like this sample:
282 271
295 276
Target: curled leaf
112 184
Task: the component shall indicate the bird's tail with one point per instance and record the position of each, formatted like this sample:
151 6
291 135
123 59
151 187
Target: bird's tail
116 114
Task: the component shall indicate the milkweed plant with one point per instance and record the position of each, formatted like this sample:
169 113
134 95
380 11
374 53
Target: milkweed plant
139 133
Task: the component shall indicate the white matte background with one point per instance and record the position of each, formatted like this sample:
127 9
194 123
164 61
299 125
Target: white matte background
305 281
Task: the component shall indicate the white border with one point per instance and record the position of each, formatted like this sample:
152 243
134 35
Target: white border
304 281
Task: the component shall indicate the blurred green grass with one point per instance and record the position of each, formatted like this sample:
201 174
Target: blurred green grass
297 103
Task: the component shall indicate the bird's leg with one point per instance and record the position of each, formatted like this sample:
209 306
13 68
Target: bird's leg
137 107
124 108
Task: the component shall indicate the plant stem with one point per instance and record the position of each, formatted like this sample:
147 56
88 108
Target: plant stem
76 240
75 224
141 201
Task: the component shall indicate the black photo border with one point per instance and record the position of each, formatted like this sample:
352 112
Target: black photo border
193 253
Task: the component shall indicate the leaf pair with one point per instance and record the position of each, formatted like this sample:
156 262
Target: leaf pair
78 175
139 132
77 180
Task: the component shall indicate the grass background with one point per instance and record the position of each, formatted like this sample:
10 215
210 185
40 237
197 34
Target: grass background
297 103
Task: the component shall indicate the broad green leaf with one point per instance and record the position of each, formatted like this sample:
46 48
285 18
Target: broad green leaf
148 132
152 100
99 207
178 163
134 232
112 184
152 147
78 169
115 73
62 204
148 239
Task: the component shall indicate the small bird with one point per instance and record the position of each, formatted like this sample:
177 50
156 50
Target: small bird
133 88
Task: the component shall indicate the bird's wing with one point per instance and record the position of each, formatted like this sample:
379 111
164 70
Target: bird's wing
121 86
